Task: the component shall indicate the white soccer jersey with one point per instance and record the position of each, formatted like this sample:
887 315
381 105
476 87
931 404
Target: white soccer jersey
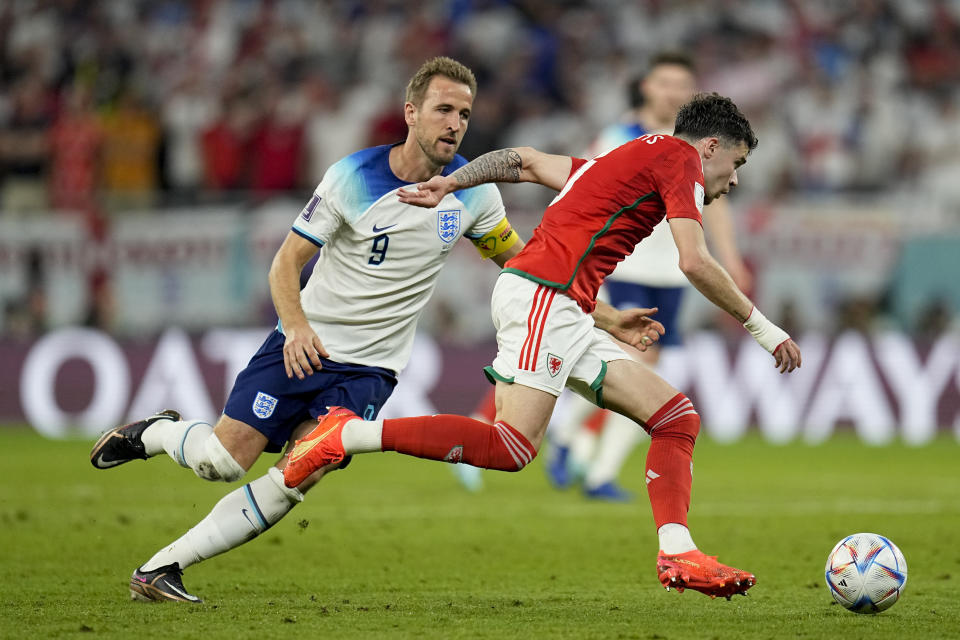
655 262
380 258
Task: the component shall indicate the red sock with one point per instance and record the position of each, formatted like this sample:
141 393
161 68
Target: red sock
596 420
458 439
673 431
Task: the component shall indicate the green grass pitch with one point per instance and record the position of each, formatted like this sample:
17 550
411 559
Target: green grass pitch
393 547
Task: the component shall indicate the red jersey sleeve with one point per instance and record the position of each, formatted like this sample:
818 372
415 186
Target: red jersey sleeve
576 164
680 183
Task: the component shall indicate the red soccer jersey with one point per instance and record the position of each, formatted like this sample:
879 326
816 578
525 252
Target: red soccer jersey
607 206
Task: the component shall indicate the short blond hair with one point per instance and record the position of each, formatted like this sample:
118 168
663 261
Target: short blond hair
439 66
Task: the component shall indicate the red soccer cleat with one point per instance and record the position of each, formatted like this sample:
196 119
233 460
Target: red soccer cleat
320 447
700 572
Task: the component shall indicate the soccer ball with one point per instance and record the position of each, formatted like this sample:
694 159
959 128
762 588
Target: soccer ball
866 573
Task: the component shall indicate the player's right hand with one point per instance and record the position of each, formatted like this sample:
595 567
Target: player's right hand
787 356
427 194
302 351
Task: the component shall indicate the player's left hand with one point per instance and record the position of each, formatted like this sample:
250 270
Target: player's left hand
427 194
637 328
787 356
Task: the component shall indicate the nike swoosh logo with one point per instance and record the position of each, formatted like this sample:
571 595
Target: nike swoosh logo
244 512
304 448
185 595
377 229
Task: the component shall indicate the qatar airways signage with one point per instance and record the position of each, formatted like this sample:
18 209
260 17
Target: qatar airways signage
78 382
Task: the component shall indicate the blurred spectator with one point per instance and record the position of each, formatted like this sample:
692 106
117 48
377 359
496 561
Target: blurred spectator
237 99
935 145
277 147
131 142
76 140
25 148
27 315
187 112
857 313
821 116
934 319
838 81
226 146
387 127
338 119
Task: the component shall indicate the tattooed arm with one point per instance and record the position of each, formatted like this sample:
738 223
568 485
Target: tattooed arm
519 164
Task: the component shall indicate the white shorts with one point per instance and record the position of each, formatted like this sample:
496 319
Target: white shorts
546 341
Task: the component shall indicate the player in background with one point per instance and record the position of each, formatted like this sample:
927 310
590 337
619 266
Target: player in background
342 339
547 340
649 277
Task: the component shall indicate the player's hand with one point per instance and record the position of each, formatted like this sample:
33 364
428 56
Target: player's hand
787 356
302 351
637 328
427 194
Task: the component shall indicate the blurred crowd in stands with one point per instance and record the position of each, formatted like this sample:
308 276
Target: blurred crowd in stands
132 104
112 107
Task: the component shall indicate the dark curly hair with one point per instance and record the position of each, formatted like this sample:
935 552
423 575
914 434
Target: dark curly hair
710 114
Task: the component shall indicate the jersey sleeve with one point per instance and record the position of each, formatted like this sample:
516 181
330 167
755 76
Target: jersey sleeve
575 164
680 183
485 207
322 216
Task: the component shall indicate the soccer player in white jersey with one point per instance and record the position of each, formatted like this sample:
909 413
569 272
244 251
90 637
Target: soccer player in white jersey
340 341
343 338
649 277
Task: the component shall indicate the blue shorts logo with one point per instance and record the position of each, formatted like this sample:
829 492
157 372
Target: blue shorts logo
448 224
263 405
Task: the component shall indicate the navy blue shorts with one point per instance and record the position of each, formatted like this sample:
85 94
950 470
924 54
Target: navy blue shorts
273 404
628 294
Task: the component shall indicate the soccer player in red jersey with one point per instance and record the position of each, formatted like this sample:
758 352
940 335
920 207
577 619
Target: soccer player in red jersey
547 338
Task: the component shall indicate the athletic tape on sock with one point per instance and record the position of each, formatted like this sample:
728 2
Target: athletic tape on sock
292 493
219 464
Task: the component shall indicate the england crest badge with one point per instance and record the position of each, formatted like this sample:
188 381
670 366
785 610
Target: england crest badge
448 224
263 405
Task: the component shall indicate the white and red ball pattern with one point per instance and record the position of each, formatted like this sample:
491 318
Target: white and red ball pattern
866 573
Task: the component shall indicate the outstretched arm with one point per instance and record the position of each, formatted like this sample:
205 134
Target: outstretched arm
519 164
715 283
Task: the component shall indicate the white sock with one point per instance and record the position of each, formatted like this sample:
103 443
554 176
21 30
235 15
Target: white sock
241 515
675 538
152 437
362 436
183 441
620 436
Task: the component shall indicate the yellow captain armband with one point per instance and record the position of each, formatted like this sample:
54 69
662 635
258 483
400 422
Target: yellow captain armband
497 240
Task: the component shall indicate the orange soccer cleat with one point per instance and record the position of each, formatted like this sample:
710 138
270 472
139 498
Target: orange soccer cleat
320 447
700 572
